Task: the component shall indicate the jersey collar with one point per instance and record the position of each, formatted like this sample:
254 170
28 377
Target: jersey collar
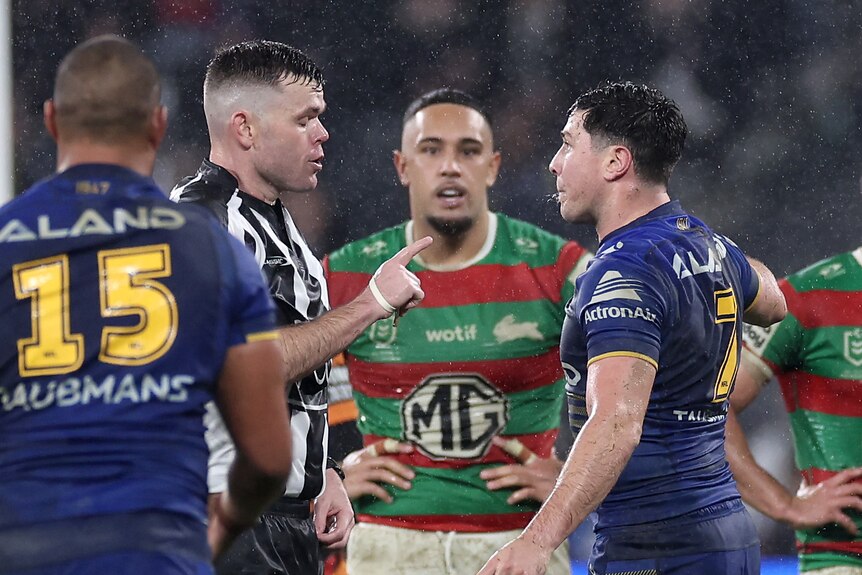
103 171
671 208
228 184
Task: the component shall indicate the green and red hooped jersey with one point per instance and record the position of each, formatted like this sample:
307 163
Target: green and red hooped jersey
816 354
478 358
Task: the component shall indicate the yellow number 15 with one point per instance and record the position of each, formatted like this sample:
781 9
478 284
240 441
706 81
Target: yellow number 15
126 288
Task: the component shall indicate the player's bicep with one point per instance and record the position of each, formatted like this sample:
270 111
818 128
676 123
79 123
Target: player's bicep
768 305
620 387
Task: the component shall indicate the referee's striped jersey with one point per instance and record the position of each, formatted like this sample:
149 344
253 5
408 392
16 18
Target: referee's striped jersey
298 287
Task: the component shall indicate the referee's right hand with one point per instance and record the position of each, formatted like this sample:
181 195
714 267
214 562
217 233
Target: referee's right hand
393 286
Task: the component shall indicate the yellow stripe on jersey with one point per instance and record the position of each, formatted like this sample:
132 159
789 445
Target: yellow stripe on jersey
756 295
262 336
633 354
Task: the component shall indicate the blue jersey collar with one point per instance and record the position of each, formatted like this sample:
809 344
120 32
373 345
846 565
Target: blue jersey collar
671 208
103 171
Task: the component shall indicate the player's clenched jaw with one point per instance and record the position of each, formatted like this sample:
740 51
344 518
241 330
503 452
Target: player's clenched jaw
447 160
288 147
577 166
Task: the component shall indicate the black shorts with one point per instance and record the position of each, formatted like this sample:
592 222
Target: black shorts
283 541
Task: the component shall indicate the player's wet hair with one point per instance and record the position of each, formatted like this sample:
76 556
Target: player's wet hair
639 118
261 62
105 90
445 96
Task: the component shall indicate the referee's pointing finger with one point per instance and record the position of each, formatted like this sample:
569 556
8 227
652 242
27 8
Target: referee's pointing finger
408 253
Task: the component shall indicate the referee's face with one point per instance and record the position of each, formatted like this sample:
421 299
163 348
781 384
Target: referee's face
290 149
448 162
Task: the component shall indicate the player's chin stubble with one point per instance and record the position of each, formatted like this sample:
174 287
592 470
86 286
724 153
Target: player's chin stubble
450 227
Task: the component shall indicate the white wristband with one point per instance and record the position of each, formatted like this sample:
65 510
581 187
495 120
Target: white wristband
375 291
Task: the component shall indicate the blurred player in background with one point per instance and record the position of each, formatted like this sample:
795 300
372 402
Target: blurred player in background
650 348
459 402
263 101
816 355
123 315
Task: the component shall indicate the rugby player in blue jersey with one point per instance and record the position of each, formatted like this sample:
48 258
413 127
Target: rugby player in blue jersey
650 348
123 315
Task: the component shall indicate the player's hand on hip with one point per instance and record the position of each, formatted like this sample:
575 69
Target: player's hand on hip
532 477
367 468
826 502
395 288
333 513
518 557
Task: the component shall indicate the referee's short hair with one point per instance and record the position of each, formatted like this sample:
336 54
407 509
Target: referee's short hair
445 96
261 62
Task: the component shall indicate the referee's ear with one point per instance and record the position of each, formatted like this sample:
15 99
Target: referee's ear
50 118
241 129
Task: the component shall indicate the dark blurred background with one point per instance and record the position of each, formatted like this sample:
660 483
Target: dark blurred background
771 91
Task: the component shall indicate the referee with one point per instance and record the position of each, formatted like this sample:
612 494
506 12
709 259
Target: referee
263 102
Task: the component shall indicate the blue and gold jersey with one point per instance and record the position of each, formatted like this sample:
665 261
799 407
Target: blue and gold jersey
668 290
118 309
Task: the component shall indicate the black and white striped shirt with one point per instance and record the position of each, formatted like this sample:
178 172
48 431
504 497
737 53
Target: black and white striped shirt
298 287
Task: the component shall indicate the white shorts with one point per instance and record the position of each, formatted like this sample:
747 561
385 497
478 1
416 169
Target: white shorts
374 549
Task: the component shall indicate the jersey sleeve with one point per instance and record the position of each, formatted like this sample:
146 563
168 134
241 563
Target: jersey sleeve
251 309
749 281
777 347
622 308
573 262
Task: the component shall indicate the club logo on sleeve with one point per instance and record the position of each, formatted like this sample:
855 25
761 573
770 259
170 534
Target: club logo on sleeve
374 249
832 270
614 286
527 245
853 346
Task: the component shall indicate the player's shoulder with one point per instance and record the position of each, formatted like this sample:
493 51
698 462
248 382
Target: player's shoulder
366 254
841 272
31 199
618 259
628 250
620 266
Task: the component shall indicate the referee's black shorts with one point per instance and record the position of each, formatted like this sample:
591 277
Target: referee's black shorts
282 542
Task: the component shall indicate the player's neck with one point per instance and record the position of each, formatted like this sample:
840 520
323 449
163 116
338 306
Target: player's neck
452 250
137 157
626 205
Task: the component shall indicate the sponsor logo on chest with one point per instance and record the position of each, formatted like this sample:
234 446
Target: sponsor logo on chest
454 416
505 330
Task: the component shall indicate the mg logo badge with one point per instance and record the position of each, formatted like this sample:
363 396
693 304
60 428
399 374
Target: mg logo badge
853 346
454 416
